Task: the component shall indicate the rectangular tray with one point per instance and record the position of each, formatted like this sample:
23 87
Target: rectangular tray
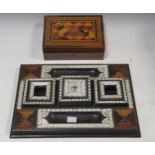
75 101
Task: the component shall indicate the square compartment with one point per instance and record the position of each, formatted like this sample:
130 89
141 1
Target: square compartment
74 90
39 92
110 91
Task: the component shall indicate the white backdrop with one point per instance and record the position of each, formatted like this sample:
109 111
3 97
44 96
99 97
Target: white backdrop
129 38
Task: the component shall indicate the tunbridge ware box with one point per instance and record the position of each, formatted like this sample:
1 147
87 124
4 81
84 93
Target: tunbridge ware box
73 38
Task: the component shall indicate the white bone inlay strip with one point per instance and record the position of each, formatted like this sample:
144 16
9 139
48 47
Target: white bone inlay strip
129 94
20 95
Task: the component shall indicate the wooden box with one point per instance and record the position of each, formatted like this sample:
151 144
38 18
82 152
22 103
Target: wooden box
73 38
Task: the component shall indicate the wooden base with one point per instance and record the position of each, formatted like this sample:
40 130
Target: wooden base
73 56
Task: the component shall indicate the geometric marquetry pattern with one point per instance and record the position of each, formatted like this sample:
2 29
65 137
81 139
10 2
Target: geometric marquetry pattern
124 118
30 72
118 71
66 30
25 119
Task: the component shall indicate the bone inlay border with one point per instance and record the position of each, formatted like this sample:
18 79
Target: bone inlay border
106 123
45 69
48 99
129 93
85 89
20 95
112 99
